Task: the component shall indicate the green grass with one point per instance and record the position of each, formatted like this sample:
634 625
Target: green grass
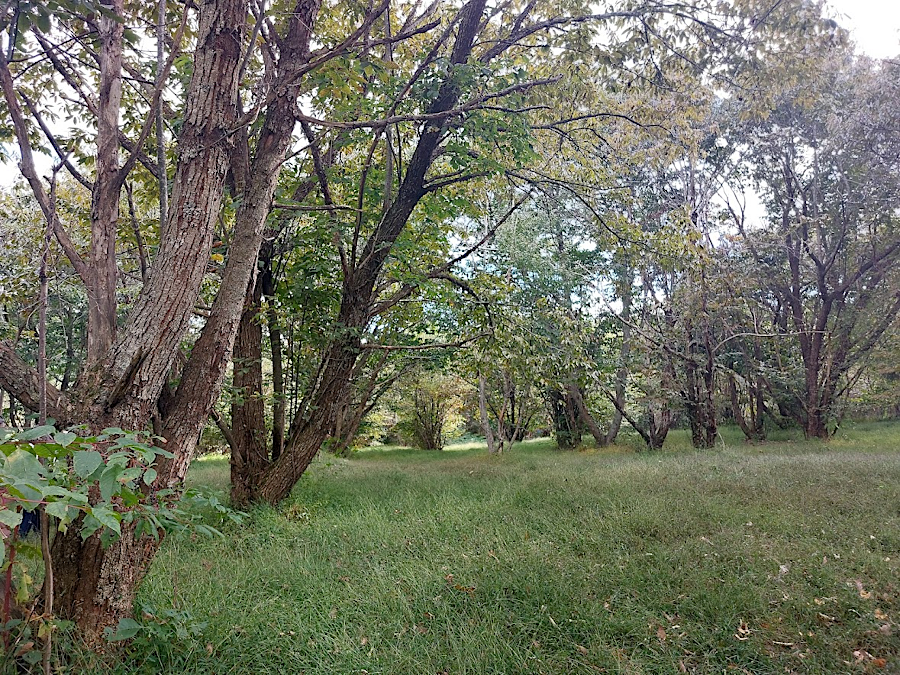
771 558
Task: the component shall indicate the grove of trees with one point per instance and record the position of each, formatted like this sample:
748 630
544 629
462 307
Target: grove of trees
284 220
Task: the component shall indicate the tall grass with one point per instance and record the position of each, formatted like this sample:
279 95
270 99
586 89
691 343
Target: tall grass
771 558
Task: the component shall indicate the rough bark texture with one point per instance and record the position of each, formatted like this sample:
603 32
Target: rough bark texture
249 452
94 586
107 186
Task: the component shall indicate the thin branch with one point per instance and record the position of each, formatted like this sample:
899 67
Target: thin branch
154 103
63 156
28 170
440 116
436 345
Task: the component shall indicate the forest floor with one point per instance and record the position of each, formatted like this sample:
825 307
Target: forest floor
770 558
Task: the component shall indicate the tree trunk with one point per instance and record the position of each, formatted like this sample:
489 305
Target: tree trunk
483 412
565 420
101 289
95 586
329 391
249 452
660 422
315 421
585 416
278 402
622 372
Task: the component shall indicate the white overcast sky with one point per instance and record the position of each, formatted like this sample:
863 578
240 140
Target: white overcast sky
875 25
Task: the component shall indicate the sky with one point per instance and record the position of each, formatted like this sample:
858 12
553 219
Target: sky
875 25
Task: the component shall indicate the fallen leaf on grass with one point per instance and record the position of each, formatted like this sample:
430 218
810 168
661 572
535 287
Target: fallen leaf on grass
743 632
661 634
863 593
581 650
881 616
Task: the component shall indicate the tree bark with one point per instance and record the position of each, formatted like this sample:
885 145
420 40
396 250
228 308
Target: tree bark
94 586
278 401
622 372
249 452
107 187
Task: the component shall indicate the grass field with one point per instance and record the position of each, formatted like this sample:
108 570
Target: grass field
774 558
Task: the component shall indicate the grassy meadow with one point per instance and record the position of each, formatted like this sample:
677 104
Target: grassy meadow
782 557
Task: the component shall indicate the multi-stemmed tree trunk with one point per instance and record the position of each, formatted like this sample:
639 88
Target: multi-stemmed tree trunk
329 391
749 411
125 380
564 417
829 267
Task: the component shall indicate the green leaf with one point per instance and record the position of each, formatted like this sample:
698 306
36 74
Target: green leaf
126 630
10 518
86 462
25 490
107 518
109 481
37 432
149 476
58 510
89 526
56 491
129 475
64 438
24 465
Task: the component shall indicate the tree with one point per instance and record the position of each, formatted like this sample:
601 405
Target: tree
825 161
125 381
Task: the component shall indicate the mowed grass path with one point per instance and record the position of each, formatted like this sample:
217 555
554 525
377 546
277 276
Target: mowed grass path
782 557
